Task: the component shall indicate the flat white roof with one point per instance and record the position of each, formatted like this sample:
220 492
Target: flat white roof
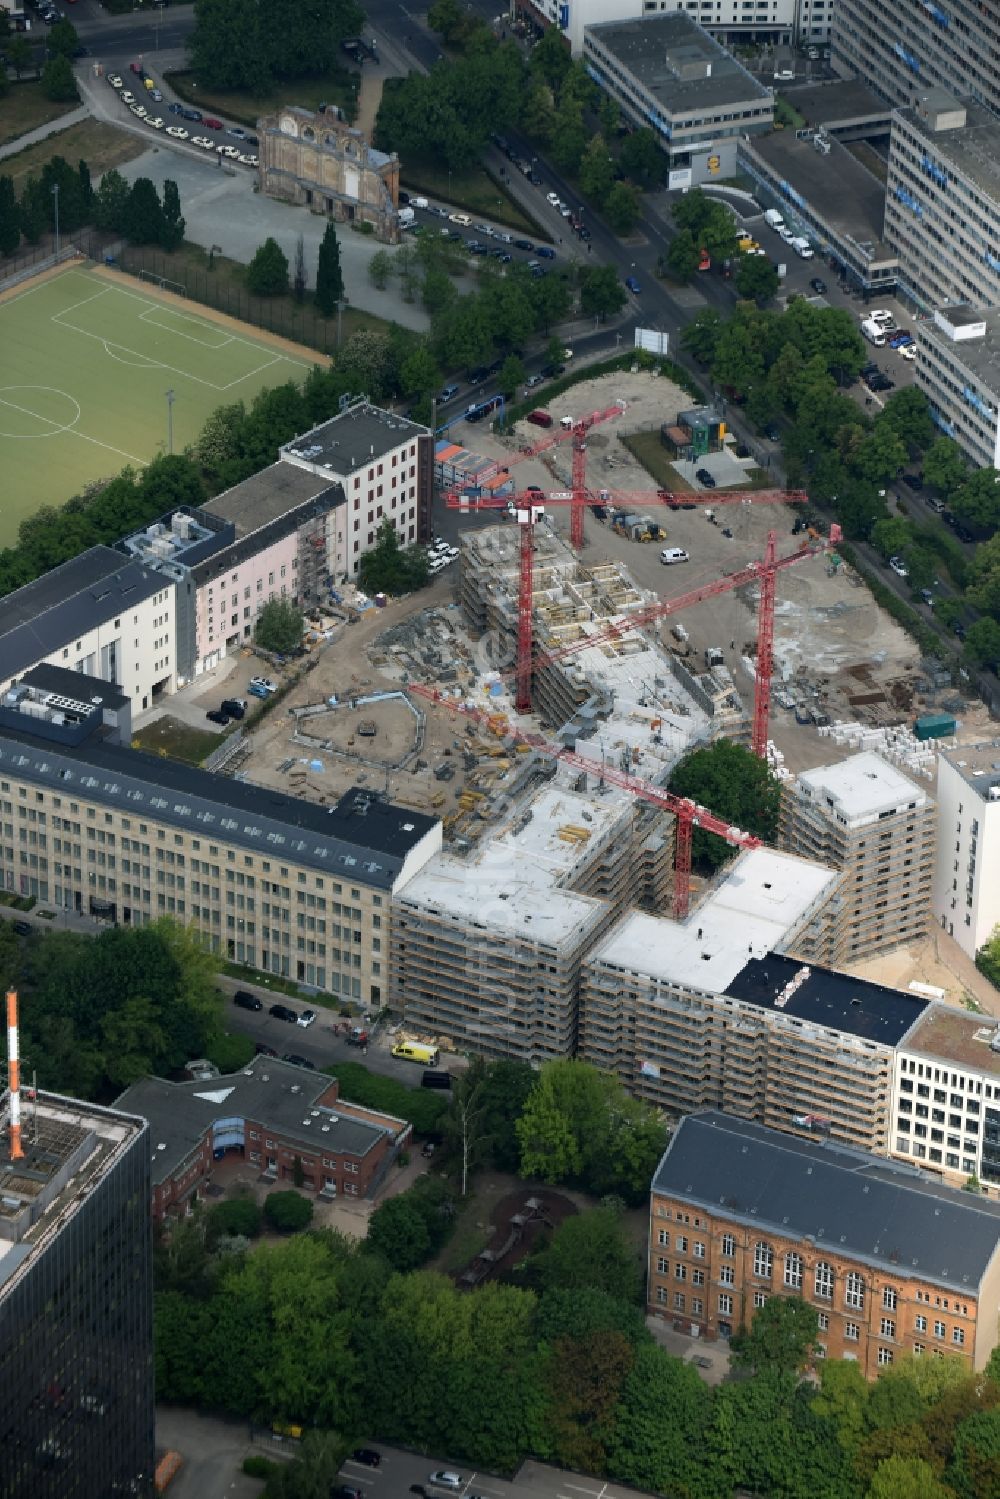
861 787
511 881
765 895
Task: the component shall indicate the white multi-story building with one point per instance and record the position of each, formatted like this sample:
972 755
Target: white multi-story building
946 1096
100 614
901 47
958 369
386 466
966 895
732 21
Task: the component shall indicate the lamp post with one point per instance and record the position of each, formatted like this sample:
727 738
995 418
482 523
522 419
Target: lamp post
170 421
55 200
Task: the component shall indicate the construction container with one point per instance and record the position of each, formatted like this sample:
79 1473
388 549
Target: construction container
935 726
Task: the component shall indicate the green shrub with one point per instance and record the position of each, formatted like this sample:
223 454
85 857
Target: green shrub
421 1107
240 1217
288 1212
259 1467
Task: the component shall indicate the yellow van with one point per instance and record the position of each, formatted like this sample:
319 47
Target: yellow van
414 1051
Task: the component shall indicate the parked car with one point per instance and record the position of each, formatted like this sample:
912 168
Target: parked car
882 316
523 244
444 1478
448 393
265 683
306 1019
297 1061
427 1150
236 707
633 285
216 715
545 252
244 1000
262 1049
368 1456
212 122
23 928
283 1012
818 285
539 418
899 567
705 478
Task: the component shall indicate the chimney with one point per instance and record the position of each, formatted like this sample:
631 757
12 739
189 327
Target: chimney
14 1078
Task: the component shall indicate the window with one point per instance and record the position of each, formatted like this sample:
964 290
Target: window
727 1275
958 1336
939 1329
726 1305
763 1260
759 1299
662 1266
888 1328
822 1321
663 1239
889 1299
678 1301
921 1324
885 1356
852 1331
854 1290
680 1272
728 1246
793 1271
682 1244
824 1280
698 1250
661 1295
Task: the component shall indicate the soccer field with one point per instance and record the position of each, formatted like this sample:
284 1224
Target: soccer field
85 365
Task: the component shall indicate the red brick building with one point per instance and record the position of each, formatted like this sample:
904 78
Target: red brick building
284 1120
892 1261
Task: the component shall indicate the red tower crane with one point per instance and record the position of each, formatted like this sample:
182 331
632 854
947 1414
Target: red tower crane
529 505
688 813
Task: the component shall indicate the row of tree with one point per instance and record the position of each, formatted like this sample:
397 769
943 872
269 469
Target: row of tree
134 211
245 45
51 63
703 224
267 275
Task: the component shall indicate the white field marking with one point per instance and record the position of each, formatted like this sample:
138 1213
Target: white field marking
36 415
149 316
141 362
172 368
71 428
237 338
82 303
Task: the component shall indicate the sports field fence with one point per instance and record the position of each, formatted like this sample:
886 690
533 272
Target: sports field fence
298 321
93 244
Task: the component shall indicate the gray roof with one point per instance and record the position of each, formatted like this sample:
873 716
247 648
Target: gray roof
362 839
838 191
880 1212
279 1095
972 152
353 439
73 684
980 356
838 102
266 496
64 603
667 55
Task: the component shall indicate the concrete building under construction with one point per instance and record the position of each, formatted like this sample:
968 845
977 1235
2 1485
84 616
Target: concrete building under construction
722 1011
869 820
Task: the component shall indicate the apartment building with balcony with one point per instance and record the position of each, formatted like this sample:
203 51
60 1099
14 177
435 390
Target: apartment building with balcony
264 879
893 1263
716 1012
900 49
966 892
385 466
942 200
100 614
869 820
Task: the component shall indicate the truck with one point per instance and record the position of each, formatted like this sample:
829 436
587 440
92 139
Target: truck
873 333
713 657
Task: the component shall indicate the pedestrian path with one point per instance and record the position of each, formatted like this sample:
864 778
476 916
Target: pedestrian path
42 132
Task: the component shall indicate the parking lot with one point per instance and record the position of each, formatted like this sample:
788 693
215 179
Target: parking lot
399 1470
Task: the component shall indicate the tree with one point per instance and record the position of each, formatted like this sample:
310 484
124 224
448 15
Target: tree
144 214
173 222
584 1378
601 292
62 39
700 337
379 269
597 170
757 277
734 784
906 1478
132 1037
975 1466
681 259
419 373
86 188
288 1212
449 20
890 536
329 276
782 1337
578 1124
267 273
977 501
397 1231
58 82
945 469
621 208
236 45
641 158
591 1250
10 217
511 376
299 276
111 203
486 1101
657 1440
240 1217
438 291
389 568
982 642
19 54
550 58
908 413
279 626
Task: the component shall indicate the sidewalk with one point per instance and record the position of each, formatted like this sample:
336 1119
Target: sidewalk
31 137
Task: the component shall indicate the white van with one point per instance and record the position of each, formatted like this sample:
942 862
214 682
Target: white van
774 218
670 555
873 333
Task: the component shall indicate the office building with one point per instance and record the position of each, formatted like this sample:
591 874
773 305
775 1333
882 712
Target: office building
826 195
268 537
287 1123
958 369
76 1303
725 1011
781 22
894 1264
966 892
265 879
668 74
868 819
901 49
100 614
385 466
946 1097
942 200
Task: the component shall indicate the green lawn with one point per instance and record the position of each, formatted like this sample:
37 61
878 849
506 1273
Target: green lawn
339 87
86 360
25 108
178 740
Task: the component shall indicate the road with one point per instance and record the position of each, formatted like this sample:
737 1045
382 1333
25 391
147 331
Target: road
398 1470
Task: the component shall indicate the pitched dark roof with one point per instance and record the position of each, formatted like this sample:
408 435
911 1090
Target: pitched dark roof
864 1207
64 603
360 839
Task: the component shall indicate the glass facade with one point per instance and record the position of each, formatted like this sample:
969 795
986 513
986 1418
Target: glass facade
76 1330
